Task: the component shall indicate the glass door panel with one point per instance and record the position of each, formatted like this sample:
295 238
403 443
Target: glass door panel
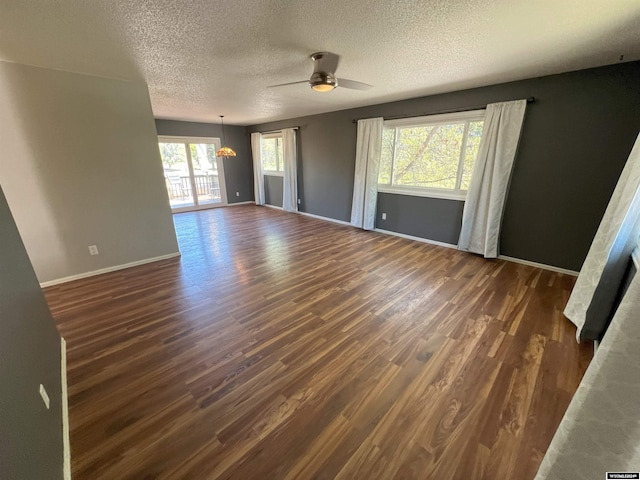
206 174
193 175
177 174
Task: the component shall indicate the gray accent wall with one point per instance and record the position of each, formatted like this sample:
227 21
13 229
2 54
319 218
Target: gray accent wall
31 443
440 219
273 186
575 141
81 167
326 162
238 170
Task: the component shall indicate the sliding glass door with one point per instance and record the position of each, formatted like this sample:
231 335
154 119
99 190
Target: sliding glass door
193 175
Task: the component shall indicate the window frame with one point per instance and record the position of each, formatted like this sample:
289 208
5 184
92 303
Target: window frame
279 161
427 121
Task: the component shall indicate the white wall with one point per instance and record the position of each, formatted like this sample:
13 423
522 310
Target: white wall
79 165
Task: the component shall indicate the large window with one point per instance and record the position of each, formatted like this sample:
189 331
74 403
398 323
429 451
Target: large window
430 156
272 163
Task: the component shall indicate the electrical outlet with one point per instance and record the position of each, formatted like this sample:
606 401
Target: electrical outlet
384 216
45 397
299 201
237 194
93 249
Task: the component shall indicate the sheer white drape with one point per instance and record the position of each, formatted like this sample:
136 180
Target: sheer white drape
365 185
594 294
600 430
483 209
258 177
290 180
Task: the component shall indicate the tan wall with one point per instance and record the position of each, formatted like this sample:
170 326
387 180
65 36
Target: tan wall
80 166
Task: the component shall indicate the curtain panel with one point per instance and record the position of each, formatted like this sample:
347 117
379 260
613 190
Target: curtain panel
365 186
483 209
290 180
600 431
258 177
596 291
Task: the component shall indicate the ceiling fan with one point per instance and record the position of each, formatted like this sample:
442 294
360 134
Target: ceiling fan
324 77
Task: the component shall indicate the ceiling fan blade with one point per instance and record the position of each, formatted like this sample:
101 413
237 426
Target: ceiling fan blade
290 83
326 62
352 84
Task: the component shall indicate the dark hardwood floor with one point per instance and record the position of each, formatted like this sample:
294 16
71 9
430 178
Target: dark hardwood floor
281 346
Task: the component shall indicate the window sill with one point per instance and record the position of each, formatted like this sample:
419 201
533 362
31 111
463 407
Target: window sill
273 174
445 195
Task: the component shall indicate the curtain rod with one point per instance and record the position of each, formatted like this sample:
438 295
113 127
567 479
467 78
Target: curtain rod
441 112
275 131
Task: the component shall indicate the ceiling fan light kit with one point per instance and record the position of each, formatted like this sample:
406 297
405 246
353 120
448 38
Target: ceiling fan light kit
323 82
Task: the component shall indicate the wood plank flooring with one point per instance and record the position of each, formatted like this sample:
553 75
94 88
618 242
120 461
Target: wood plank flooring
284 347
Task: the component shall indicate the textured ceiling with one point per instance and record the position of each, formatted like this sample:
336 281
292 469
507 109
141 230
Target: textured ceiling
205 58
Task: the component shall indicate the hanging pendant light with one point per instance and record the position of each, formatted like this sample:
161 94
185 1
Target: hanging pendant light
225 151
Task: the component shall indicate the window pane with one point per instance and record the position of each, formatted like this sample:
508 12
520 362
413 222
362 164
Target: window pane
473 141
203 156
205 169
176 174
384 175
428 156
269 159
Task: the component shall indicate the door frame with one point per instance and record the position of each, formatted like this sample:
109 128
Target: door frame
219 164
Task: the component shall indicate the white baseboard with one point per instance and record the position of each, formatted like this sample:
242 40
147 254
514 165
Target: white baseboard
450 245
539 265
239 203
501 257
326 219
106 270
417 239
271 206
65 411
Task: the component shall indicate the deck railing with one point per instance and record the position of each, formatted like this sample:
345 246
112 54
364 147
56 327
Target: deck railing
179 187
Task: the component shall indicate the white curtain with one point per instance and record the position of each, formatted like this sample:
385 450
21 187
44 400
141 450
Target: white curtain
483 209
595 292
290 185
600 430
365 186
258 177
